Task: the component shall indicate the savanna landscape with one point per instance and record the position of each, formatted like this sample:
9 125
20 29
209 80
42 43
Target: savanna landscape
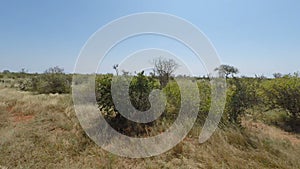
259 127
134 84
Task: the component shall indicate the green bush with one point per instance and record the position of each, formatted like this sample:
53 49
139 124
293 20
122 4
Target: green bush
25 84
205 99
52 81
173 97
242 94
284 93
139 90
103 91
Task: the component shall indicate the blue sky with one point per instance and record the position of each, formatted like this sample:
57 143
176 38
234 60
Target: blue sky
258 37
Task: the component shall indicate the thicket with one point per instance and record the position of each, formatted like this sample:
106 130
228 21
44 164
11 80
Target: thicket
53 80
284 93
243 94
281 92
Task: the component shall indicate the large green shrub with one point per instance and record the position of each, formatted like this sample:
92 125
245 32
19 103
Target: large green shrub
53 83
284 93
139 90
242 94
53 80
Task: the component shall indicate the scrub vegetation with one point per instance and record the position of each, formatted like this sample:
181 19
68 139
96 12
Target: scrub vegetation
259 128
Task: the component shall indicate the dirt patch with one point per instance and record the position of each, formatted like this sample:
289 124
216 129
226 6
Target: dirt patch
18 117
22 118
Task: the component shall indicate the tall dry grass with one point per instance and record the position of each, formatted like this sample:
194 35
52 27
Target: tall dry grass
42 131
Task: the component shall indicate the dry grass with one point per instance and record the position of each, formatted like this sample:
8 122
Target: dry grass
41 131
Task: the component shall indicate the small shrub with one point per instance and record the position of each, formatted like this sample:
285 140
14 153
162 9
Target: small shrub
25 84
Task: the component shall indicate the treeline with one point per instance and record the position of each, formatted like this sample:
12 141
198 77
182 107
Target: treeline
53 80
258 94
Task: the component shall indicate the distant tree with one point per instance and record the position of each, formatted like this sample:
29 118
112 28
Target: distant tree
54 70
23 71
277 75
164 68
6 71
226 70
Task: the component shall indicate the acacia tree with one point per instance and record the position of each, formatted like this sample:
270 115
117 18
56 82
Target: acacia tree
163 69
226 70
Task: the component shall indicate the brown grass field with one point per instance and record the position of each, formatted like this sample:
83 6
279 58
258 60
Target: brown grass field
42 131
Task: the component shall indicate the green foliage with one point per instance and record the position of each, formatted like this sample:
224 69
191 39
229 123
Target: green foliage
52 81
242 94
139 90
173 97
103 88
25 84
205 98
284 93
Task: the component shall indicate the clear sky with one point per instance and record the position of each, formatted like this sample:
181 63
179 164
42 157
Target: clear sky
256 36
